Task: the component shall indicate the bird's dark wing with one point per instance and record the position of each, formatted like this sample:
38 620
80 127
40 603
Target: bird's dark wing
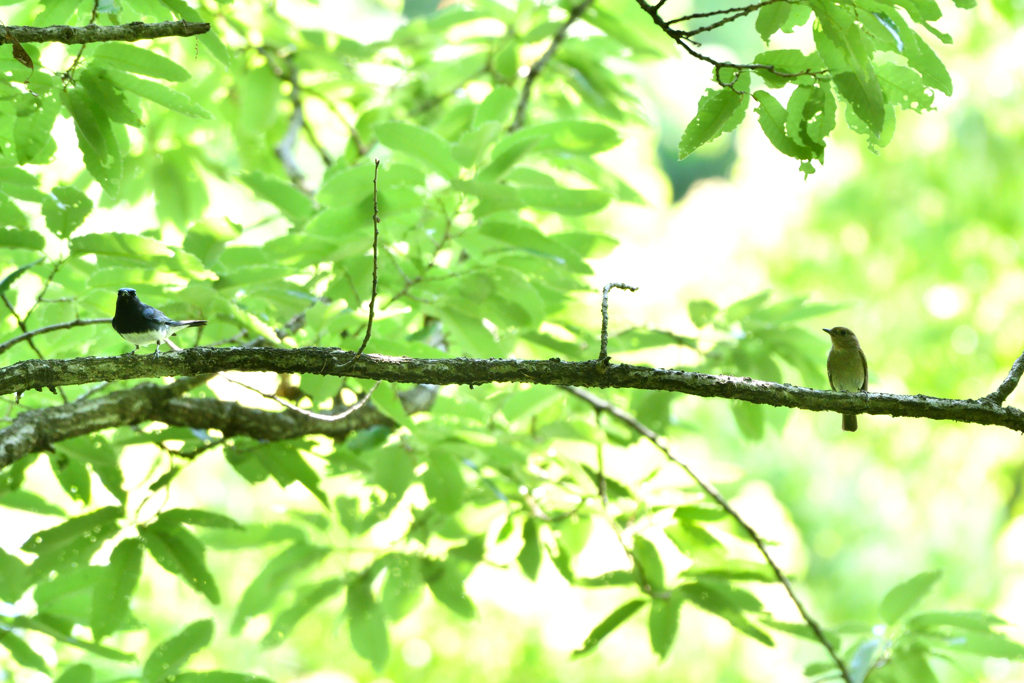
153 315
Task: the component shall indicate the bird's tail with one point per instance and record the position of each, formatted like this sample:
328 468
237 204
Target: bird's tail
189 323
849 423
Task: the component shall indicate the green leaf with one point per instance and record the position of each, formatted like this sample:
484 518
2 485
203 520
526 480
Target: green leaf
847 52
115 588
11 277
169 656
403 585
30 502
719 111
530 556
203 518
564 201
307 599
16 578
496 107
611 622
99 89
73 542
161 94
443 481
701 312
79 673
21 652
366 624
125 57
65 209
971 621
646 556
21 239
663 624
91 122
55 633
986 645
907 594
904 87
36 116
287 466
259 597
425 145
393 469
219 676
921 58
772 116
445 583
789 62
181 553
771 18
293 203
119 244
571 137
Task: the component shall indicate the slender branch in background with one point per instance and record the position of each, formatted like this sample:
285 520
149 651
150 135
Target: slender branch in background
69 74
438 248
27 336
373 291
1009 384
125 33
285 149
308 413
539 65
357 140
683 40
601 405
42 293
604 315
734 14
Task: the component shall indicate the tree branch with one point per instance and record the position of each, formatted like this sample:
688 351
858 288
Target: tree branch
50 328
683 39
1009 384
601 405
539 65
126 33
39 374
35 430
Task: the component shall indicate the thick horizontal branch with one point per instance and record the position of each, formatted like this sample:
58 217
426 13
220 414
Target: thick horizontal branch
40 374
127 33
35 430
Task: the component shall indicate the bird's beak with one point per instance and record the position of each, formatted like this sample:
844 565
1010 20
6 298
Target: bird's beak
826 330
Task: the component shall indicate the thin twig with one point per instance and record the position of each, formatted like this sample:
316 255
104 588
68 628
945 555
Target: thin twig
70 73
601 405
604 314
682 38
42 293
50 328
285 149
539 65
1008 384
308 413
373 291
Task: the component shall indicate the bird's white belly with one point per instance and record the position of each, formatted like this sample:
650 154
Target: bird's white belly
144 338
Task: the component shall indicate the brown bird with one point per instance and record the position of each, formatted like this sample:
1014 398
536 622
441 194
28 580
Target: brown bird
847 367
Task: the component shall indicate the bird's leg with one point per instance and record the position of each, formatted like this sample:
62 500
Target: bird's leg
157 352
